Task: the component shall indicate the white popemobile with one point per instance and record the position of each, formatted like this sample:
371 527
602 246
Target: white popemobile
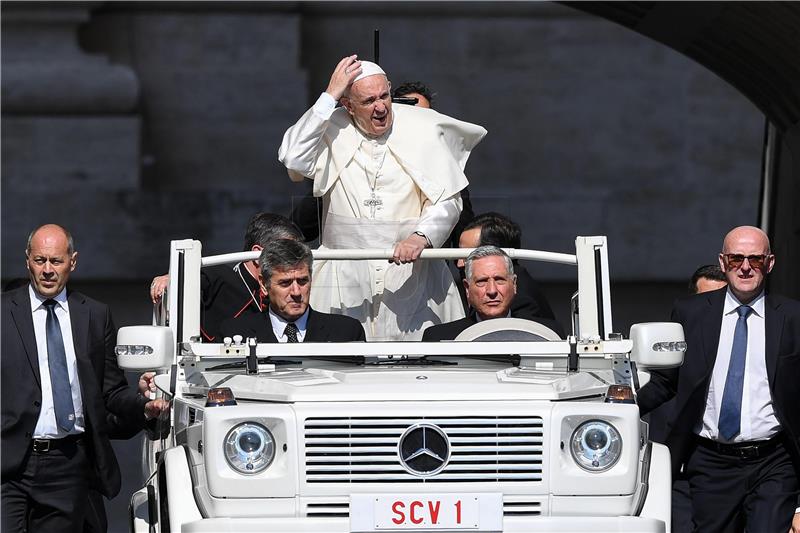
514 430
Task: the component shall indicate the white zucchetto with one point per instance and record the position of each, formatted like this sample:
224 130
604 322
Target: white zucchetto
368 68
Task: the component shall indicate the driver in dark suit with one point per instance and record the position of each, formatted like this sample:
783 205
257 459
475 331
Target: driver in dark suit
285 277
59 379
499 230
491 288
735 428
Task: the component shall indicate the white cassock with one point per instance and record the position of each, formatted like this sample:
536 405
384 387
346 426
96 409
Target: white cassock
376 192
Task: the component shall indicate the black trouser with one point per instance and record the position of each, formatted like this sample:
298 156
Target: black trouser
733 494
681 505
50 494
96 520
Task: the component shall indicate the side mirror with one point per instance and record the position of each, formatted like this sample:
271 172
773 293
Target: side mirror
145 347
657 344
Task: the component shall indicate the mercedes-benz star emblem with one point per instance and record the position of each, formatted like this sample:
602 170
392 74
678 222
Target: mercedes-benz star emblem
424 450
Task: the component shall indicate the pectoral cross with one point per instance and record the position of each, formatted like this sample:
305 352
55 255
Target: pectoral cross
373 202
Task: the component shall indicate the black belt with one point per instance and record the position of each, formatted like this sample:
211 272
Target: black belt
753 449
46 445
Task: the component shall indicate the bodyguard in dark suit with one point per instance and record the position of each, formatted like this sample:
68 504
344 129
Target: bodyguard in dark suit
735 428
491 289
59 377
285 278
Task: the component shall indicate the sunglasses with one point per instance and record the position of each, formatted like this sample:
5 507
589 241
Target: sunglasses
756 261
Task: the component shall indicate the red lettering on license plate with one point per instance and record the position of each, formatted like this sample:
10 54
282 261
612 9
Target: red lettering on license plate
438 513
418 512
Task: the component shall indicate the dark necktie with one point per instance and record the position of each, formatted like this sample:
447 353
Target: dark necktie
291 332
730 413
59 376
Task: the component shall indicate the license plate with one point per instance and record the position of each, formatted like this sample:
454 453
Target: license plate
452 511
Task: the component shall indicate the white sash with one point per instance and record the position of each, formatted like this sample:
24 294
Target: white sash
393 302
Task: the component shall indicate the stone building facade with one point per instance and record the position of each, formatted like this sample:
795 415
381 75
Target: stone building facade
134 123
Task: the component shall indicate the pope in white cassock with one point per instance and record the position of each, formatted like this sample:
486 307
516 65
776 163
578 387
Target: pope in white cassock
390 177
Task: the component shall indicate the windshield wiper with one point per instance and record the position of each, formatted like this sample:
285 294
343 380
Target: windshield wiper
353 360
513 359
405 361
261 361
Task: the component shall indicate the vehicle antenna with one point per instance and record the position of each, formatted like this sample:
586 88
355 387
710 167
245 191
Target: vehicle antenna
376 46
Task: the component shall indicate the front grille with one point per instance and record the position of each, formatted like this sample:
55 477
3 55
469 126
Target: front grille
522 508
328 510
512 506
365 449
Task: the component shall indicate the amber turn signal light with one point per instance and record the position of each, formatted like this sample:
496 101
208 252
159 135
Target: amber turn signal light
619 394
220 396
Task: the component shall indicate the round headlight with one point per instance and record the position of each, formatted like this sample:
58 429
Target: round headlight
596 446
249 448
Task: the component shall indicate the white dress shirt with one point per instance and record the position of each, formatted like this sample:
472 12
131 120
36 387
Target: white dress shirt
46 426
279 326
758 421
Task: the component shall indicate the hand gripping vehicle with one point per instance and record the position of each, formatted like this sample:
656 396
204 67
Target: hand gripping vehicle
507 428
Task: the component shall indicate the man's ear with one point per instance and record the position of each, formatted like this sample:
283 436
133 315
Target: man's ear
722 265
256 248
770 263
261 283
347 104
73 261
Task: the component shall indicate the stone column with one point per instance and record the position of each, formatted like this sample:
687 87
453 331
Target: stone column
69 125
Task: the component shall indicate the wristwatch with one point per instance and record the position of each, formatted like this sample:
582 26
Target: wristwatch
427 240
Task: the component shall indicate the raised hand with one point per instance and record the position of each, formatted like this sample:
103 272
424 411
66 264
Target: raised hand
343 75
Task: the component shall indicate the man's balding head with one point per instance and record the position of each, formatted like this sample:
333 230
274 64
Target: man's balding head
50 259
746 259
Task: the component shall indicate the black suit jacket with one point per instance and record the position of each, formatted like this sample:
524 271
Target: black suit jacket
103 384
534 301
701 317
450 330
226 294
321 327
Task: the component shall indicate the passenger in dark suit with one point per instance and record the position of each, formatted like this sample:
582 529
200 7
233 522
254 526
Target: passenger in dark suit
285 278
59 378
498 230
231 292
491 289
735 428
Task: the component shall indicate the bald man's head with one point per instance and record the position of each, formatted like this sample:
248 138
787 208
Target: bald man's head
746 259
50 259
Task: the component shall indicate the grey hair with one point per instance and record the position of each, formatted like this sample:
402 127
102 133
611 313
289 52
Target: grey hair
67 234
487 250
283 254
